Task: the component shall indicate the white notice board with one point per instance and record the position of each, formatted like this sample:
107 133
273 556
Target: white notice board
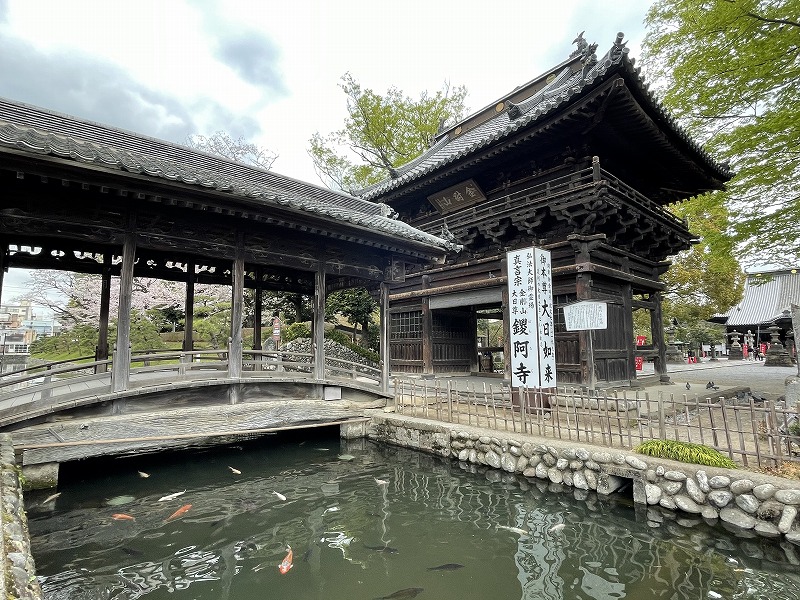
586 315
530 298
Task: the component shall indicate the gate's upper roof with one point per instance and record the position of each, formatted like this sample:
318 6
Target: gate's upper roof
36 130
544 99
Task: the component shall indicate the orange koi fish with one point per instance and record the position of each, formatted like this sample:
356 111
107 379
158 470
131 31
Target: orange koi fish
178 512
122 517
287 562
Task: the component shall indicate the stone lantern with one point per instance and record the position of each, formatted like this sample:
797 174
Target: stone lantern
777 356
736 348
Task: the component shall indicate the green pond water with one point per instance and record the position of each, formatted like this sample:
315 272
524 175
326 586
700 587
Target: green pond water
369 521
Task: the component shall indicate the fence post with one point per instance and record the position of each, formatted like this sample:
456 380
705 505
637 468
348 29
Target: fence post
662 425
182 365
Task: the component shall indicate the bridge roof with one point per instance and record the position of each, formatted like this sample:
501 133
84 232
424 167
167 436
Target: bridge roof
35 130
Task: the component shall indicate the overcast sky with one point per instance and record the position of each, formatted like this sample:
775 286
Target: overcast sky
269 70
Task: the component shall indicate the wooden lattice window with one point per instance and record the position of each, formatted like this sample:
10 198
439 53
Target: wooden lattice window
406 325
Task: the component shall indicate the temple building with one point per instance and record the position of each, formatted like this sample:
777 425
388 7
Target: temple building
581 161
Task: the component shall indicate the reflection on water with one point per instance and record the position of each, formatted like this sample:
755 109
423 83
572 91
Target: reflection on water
388 523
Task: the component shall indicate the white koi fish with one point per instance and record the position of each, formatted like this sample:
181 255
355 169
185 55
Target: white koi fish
171 496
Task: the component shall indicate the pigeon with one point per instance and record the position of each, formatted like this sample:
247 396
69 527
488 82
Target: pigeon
688 387
711 386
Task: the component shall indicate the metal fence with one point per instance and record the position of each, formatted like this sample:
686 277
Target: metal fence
753 433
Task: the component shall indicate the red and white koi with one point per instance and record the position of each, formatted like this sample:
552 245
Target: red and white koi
122 517
286 564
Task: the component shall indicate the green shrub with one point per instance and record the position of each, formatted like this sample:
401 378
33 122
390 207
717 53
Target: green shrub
686 452
294 331
794 428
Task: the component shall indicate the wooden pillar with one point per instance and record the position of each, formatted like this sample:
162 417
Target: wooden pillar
384 339
318 328
188 326
583 289
657 333
122 356
237 306
474 363
257 310
427 330
101 351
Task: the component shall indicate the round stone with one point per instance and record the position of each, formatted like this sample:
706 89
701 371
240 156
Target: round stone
619 459
719 481
686 504
549 460
601 457
463 454
742 486
787 519
737 517
693 489
515 450
636 462
667 502
702 481
660 470
591 478
671 487
791 497
709 512
767 529
555 475
652 493
508 462
579 480
562 464
492 459
527 449
567 477
541 470
576 465
675 476
748 503
720 498
582 454
764 491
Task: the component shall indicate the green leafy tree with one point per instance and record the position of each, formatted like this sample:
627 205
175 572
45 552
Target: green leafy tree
212 320
381 133
355 305
730 71
707 278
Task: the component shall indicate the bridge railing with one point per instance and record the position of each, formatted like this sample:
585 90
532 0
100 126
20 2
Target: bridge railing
68 379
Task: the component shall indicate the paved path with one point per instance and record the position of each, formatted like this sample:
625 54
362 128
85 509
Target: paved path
769 382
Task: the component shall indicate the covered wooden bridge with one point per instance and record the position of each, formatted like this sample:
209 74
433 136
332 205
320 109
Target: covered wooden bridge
82 197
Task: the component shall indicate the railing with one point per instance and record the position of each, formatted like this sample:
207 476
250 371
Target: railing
754 434
64 380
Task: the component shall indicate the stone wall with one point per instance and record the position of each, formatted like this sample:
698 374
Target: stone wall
745 500
17 575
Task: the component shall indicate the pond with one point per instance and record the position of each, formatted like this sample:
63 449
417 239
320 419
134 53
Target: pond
369 521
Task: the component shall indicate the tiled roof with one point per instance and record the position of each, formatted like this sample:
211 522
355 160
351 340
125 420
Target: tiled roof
40 131
766 297
559 92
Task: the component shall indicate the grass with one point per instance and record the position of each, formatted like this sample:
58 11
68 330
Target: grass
686 452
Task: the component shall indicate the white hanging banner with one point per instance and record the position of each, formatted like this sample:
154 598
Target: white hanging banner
532 338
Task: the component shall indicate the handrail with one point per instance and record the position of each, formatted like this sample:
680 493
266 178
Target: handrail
53 380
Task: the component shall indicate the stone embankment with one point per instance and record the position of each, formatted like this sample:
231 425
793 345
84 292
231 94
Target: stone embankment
744 500
17 575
